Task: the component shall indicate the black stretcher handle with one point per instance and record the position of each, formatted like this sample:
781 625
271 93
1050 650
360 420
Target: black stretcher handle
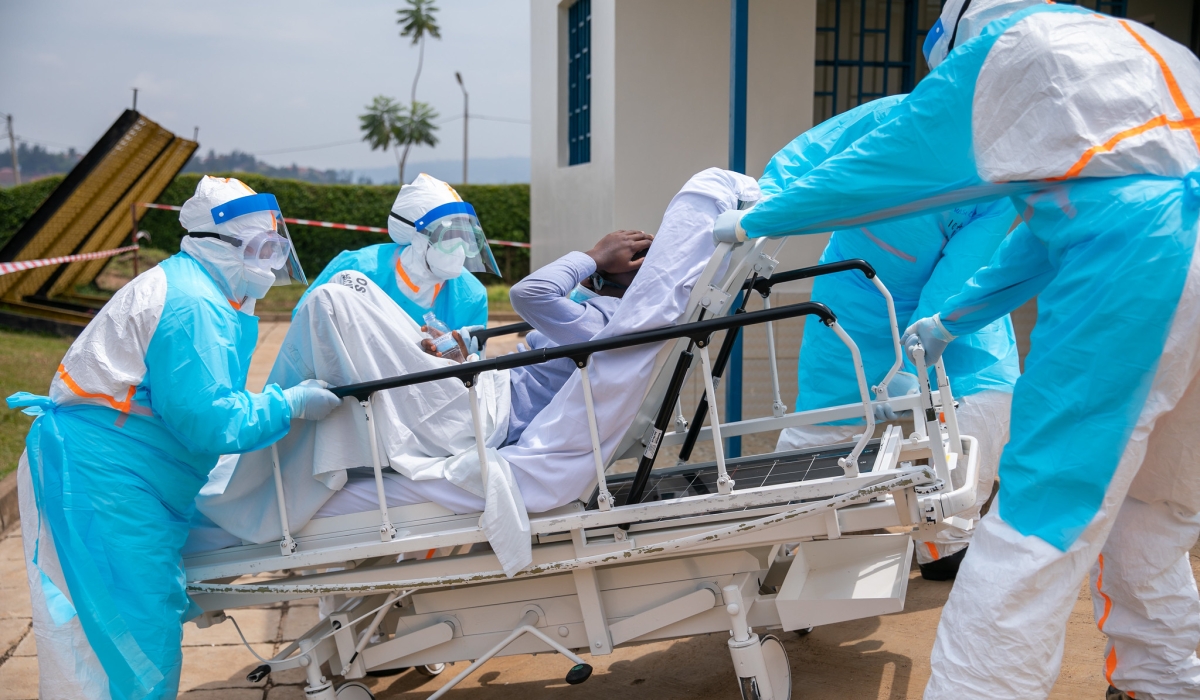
646 462
718 370
487 334
763 285
698 331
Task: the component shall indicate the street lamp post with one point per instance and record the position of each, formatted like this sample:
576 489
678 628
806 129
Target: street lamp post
466 120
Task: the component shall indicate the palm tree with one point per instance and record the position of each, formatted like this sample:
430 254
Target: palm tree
415 128
416 21
389 124
380 126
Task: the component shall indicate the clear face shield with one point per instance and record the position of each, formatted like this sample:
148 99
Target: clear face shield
265 243
454 227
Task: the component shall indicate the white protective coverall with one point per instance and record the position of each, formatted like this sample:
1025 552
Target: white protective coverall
1087 122
550 466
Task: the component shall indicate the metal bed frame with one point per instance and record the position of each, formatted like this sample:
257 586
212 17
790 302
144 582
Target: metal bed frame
731 545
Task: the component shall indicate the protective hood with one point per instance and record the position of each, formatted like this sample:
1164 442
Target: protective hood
227 209
432 210
963 20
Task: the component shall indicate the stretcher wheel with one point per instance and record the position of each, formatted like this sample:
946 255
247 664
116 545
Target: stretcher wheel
579 673
779 669
354 691
431 670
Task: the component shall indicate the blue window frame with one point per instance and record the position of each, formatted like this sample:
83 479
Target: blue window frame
867 49
579 82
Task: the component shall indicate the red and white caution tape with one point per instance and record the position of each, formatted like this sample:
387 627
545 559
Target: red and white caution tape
7 267
346 227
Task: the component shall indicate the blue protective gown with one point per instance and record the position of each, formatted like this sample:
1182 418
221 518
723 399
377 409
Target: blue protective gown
922 260
1107 258
117 485
461 302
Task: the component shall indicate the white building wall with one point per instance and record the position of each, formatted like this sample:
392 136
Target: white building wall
660 111
569 204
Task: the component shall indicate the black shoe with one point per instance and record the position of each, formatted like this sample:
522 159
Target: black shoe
1114 694
944 569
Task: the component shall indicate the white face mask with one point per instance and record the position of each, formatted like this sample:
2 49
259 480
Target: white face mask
445 266
258 281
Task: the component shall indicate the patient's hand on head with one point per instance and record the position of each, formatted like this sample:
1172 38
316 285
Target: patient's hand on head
618 257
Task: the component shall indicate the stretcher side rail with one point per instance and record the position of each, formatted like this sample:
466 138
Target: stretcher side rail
763 285
697 331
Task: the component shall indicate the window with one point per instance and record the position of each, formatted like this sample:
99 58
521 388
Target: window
867 49
579 82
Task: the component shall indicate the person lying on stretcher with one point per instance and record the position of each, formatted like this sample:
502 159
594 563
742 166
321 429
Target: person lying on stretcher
534 424
568 301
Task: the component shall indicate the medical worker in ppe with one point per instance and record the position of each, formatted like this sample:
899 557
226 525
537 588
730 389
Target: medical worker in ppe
143 403
1088 123
922 260
438 244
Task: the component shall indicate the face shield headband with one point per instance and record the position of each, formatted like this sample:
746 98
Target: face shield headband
452 227
268 249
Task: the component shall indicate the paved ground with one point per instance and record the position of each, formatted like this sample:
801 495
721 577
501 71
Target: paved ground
883 657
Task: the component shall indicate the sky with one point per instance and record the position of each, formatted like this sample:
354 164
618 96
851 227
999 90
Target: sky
263 76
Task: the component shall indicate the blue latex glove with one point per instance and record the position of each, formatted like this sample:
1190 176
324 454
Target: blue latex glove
728 226
311 399
469 339
903 384
931 335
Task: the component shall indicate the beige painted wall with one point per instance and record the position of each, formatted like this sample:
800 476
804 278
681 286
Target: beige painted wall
569 204
660 100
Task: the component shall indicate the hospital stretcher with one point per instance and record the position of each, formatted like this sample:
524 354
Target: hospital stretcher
747 546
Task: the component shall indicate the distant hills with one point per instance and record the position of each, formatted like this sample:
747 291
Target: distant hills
482 171
37 162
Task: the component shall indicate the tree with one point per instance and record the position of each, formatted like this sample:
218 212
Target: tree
416 128
379 127
417 20
389 124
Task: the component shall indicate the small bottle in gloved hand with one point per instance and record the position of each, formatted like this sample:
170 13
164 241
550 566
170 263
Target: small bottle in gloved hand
445 343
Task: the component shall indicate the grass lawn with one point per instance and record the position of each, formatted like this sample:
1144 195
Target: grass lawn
498 299
27 363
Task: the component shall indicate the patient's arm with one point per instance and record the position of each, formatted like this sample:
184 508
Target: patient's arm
541 299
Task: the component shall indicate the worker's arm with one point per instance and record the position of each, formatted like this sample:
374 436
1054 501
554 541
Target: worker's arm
1019 270
818 144
197 386
967 251
919 159
541 299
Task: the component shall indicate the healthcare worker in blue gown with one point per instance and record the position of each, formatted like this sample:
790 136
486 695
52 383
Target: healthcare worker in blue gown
1088 123
437 245
922 260
143 403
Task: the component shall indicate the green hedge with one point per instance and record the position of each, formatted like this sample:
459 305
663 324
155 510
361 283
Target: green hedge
18 204
503 211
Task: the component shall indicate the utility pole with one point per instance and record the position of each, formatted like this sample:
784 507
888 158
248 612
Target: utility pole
466 120
196 134
12 145
135 99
